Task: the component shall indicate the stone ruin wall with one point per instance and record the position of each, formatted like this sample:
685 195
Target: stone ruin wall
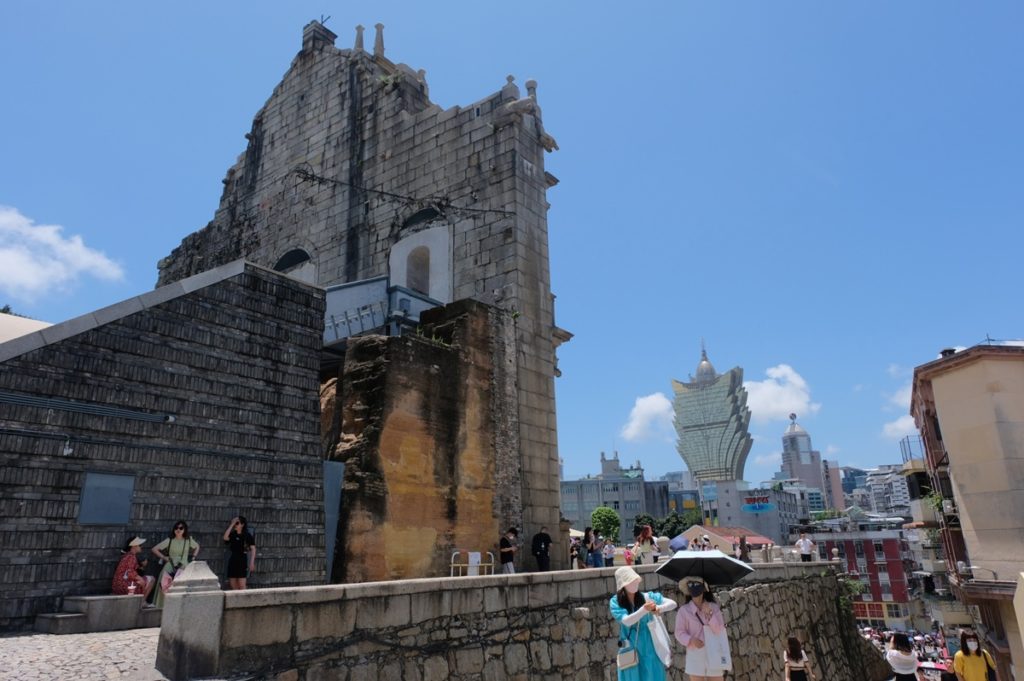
343 122
425 437
536 627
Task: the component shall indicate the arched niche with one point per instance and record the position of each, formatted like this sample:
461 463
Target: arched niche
423 262
298 264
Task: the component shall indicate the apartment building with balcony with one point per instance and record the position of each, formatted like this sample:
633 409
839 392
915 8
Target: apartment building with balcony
932 602
876 557
969 408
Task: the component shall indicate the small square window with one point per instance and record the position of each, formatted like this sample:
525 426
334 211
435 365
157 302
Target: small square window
106 499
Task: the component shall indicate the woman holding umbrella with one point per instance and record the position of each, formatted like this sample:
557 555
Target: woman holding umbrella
699 611
633 610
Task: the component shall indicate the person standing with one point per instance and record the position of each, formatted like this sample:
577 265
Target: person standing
508 551
242 553
175 552
902 657
587 545
797 666
540 549
806 547
971 663
633 610
699 610
744 549
644 546
609 553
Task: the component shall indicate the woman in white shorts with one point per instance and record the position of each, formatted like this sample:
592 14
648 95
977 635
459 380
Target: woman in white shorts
699 609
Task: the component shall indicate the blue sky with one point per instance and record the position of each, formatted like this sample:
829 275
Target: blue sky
827 193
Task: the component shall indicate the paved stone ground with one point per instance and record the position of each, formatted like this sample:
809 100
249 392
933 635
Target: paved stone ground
105 656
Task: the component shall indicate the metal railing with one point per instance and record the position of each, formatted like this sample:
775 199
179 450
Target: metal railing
912 447
471 563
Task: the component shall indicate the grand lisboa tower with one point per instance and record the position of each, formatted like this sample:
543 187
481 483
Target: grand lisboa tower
712 418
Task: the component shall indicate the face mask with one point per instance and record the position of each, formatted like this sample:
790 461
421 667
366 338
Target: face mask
972 645
633 587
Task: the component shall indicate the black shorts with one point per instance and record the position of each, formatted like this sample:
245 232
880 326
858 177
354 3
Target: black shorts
238 566
797 675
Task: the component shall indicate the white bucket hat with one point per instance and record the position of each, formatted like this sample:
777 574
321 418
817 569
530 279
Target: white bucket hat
623 576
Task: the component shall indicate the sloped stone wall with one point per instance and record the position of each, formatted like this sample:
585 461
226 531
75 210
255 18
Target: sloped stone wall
548 627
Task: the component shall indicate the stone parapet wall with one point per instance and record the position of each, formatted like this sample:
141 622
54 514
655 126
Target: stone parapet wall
543 626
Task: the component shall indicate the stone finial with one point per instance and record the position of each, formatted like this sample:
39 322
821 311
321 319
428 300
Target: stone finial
378 41
531 88
359 37
510 91
421 78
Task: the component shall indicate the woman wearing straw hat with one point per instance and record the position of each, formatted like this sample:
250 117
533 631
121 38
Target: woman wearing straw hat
634 610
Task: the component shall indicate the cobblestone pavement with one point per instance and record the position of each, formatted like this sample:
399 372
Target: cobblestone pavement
105 656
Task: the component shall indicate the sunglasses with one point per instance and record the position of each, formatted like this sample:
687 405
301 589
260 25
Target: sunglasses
179 527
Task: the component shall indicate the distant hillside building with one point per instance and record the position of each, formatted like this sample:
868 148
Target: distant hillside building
712 418
623 490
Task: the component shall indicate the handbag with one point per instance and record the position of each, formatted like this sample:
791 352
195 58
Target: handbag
660 639
627 657
717 647
990 667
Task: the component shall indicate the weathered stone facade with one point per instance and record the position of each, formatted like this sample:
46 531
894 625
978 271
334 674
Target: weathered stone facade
431 460
542 626
349 165
204 392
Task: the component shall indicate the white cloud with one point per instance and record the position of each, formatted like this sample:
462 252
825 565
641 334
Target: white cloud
901 398
896 371
858 387
782 393
900 428
831 449
39 259
651 415
768 459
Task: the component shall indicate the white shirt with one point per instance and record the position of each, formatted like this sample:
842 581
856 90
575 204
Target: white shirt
901 663
805 545
795 665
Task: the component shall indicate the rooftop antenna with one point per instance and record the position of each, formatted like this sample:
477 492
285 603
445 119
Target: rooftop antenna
324 19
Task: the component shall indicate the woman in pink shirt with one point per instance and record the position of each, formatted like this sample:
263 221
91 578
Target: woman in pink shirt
699 609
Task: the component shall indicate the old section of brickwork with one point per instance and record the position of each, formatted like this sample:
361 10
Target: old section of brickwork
349 159
229 367
431 463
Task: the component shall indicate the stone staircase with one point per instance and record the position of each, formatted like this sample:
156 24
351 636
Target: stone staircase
86 614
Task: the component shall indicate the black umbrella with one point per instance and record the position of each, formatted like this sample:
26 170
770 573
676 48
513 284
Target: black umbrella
714 567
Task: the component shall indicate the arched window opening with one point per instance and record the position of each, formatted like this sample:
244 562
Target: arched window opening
291 260
417 270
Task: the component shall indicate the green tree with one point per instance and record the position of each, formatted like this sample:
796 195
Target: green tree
606 522
677 523
6 309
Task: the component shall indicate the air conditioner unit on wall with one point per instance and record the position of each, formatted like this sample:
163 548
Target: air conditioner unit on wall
948 506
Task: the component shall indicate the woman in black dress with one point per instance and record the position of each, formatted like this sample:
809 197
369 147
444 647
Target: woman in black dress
242 560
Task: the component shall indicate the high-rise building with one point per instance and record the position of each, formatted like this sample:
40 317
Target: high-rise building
888 490
853 478
799 460
830 472
712 418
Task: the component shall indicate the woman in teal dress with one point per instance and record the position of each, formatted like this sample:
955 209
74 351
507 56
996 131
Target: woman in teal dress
633 611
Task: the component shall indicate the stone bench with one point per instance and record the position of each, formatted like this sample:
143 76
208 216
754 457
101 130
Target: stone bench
86 614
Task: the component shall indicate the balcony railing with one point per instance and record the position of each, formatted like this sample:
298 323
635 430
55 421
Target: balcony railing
370 305
911 447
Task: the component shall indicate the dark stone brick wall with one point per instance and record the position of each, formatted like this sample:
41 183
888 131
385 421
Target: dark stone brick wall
236 363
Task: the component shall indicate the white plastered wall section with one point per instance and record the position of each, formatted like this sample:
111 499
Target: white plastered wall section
438 241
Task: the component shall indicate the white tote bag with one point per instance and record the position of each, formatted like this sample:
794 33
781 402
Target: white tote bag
717 648
662 643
